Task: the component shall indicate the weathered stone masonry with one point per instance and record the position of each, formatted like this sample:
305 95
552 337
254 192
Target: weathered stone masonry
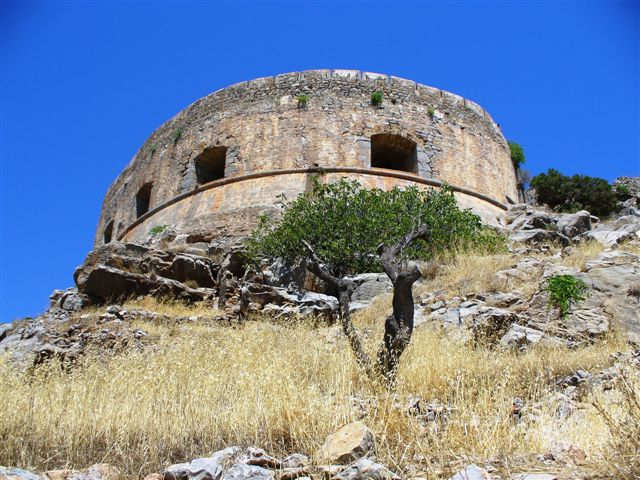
223 160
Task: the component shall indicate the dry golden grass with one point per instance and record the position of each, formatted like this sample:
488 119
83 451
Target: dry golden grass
173 308
581 254
283 389
632 247
468 274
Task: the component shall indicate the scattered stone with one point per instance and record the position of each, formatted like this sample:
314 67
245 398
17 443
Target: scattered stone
257 456
349 443
18 474
242 471
471 472
99 471
534 476
295 460
366 469
210 468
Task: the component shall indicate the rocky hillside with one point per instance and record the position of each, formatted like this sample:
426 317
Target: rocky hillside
173 360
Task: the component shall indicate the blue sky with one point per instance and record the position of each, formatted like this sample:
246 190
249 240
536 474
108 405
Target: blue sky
84 83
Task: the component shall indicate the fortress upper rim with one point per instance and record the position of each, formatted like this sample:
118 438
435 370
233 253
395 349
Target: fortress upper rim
299 121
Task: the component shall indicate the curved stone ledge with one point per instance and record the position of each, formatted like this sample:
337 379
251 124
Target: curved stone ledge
375 172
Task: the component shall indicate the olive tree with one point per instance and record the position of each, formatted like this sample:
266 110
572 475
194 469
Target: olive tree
341 229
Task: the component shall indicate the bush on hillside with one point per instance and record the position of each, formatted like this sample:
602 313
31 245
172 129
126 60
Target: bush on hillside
579 192
345 223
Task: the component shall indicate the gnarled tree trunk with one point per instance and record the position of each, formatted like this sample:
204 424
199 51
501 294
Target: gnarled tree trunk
399 326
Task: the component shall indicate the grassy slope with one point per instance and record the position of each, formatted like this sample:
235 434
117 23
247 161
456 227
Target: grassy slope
284 388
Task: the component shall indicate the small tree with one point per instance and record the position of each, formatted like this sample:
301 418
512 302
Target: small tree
341 229
517 154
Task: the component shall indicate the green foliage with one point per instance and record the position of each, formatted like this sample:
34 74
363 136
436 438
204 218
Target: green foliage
570 194
153 149
176 135
345 223
158 229
303 100
376 98
517 154
565 290
431 112
622 191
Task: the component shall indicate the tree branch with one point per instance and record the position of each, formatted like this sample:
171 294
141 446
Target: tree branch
389 254
317 268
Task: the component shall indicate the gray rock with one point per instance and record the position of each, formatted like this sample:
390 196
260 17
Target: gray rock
574 224
121 270
538 236
242 471
210 468
534 476
99 471
491 324
471 472
518 337
502 299
18 474
295 460
369 286
5 328
366 469
282 303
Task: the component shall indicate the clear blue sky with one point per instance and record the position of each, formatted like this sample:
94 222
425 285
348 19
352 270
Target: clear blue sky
84 83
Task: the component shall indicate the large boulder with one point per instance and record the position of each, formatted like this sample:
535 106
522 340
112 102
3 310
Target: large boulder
349 443
117 271
574 224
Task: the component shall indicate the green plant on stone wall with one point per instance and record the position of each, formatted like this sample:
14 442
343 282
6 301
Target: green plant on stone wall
517 154
176 135
158 229
303 100
431 112
376 98
564 291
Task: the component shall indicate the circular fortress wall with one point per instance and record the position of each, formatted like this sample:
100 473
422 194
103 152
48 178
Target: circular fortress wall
226 158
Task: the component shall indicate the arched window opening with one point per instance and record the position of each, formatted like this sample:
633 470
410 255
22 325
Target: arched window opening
393 152
210 164
142 199
108 232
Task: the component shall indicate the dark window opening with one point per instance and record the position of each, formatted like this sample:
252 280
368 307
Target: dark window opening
210 164
393 152
142 199
108 232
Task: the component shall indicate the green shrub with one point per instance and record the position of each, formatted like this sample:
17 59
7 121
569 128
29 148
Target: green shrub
431 112
570 194
565 290
158 229
302 101
376 98
176 135
622 191
345 223
517 154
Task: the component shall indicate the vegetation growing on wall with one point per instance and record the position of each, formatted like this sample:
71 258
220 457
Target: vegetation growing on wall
517 154
376 98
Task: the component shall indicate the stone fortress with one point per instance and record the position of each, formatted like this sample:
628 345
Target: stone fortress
229 156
